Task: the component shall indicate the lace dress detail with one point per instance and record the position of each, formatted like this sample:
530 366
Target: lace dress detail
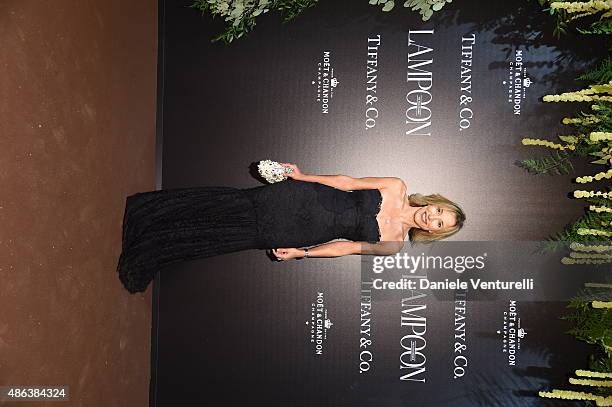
172 225
295 213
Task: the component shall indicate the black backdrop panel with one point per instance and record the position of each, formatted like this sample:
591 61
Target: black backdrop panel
234 329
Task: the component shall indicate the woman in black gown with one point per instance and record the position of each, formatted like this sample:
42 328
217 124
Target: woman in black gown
373 214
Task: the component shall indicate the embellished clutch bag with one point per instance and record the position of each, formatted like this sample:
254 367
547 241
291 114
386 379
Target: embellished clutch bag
273 171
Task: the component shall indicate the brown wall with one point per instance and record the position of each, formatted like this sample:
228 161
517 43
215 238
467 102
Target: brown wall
77 135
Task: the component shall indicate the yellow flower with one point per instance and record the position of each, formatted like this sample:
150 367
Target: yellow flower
590 382
593 232
589 7
590 373
575 97
600 136
569 395
578 255
602 304
594 92
580 247
546 143
597 177
600 209
589 119
590 194
604 401
570 261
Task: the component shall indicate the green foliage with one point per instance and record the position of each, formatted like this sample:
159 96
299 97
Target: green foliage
601 364
600 75
561 26
240 15
564 19
599 119
599 201
598 27
604 114
290 9
560 16
590 220
591 325
556 163
426 8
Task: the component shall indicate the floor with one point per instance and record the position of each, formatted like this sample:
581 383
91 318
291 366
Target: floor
77 135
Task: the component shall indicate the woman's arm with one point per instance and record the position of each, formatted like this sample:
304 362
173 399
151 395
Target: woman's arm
345 182
348 183
342 248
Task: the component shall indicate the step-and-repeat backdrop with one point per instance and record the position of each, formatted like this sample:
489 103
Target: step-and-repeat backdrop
348 89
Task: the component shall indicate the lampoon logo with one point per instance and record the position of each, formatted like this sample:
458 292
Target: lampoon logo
325 82
511 333
319 324
517 82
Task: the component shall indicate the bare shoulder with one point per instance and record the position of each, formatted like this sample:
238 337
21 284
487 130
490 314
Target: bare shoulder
395 188
393 183
401 185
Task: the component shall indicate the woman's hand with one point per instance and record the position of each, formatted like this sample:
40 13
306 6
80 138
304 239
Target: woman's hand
287 254
296 173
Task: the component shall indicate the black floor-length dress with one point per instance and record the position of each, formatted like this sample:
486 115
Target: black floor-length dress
172 225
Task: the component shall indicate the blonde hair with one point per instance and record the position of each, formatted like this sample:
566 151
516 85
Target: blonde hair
422 236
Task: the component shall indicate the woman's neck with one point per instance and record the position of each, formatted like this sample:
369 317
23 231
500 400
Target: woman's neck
407 213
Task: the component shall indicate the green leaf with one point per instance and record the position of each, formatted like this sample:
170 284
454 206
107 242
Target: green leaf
601 74
555 164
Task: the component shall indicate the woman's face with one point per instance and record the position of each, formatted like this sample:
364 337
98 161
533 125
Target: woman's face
435 218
